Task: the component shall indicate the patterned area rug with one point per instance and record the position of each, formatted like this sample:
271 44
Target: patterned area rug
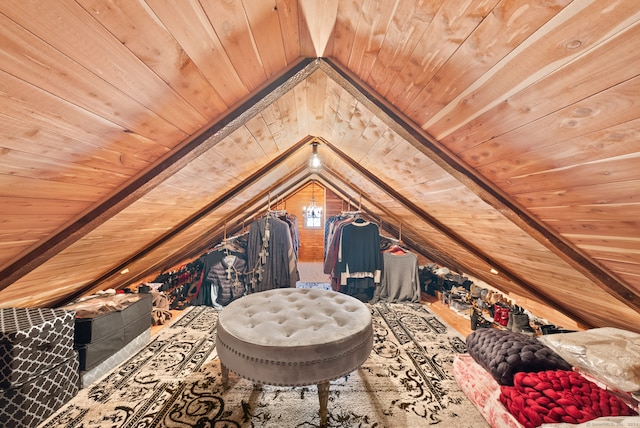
175 382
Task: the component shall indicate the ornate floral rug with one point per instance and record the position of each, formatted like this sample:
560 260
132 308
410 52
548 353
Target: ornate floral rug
175 382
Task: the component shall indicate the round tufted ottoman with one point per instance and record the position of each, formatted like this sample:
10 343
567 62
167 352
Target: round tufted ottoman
294 337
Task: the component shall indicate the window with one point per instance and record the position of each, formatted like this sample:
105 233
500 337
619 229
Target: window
312 213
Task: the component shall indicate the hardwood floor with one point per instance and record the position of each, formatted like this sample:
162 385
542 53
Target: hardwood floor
461 324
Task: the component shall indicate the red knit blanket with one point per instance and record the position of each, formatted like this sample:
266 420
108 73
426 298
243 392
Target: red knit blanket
555 396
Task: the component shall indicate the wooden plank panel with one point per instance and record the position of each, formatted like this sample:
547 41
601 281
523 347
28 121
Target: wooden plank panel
588 212
622 168
502 30
289 132
265 28
139 29
18 187
23 206
71 30
330 126
307 48
351 119
618 227
67 119
373 135
20 164
190 26
605 65
610 142
276 122
344 30
289 28
316 96
452 24
113 156
230 23
533 60
36 62
410 21
369 35
621 251
387 142
631 279
247 143
300 91
260 131
615 106
629 271
599 194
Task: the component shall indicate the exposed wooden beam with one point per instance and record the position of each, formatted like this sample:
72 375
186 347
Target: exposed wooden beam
250 210
525 286
200 214
431 253
159 171
480 186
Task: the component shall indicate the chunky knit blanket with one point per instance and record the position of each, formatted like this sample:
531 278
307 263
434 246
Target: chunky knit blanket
555 396
504 353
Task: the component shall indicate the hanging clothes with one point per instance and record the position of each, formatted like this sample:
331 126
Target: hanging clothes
333 242
292 221
359 264
227 279
216 281
270 255
400 279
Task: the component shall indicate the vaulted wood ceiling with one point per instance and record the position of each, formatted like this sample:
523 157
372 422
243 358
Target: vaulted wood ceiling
500 134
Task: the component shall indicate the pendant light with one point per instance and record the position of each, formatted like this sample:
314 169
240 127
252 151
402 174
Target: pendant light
314 160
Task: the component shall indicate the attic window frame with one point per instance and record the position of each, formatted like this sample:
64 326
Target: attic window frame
312 214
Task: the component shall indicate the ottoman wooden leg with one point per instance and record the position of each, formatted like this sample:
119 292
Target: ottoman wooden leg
224 371
323 395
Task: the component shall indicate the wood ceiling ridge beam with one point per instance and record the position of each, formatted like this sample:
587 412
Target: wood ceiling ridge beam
459 240
489 193
228 195
158 172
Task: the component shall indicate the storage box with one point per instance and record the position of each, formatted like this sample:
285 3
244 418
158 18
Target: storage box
105 324
33 341
29 404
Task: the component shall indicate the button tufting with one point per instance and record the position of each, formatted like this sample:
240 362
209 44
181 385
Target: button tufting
301 350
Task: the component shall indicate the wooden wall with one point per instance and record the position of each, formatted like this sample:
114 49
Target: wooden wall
311 240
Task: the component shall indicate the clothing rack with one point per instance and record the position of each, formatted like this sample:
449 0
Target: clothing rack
277 212
228 239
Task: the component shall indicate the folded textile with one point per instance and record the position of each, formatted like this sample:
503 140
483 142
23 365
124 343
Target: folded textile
505 353
559 396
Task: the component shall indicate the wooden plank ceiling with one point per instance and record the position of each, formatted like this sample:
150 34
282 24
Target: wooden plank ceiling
500 134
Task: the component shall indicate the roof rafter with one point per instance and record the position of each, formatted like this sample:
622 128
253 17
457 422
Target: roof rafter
481 187
524 286
159 171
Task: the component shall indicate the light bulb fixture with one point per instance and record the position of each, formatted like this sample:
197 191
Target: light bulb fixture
312 213
314 160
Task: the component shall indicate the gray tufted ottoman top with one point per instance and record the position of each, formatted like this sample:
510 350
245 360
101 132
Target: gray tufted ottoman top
294 336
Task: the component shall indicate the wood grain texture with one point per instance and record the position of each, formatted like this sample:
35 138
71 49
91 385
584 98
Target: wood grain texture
496 132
